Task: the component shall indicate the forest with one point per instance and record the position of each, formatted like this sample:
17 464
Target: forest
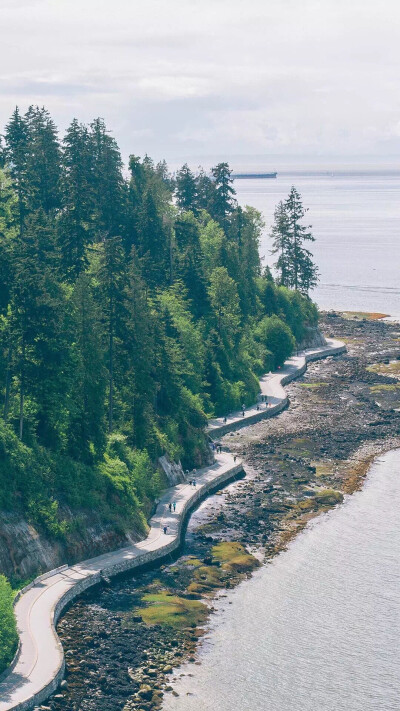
133 306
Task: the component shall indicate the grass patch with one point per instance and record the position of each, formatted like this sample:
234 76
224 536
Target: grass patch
8 627
229 558
171 610
384 387
322 469
233 557
363 315
392 369
328 497
313 386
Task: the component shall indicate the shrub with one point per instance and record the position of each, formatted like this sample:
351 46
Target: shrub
8 627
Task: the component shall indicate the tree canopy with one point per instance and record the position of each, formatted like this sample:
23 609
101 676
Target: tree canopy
132 307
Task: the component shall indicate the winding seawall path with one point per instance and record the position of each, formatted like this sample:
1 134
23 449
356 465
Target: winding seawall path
39 664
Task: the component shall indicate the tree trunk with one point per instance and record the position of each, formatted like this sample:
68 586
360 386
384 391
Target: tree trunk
111 368
8 384
22 392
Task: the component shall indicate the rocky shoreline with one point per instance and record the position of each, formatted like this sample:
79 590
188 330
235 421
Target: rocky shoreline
124 643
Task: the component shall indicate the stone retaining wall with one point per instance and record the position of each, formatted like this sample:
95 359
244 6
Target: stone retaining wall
280 406
111 570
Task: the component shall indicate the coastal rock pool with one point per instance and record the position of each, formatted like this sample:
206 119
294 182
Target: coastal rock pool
318 629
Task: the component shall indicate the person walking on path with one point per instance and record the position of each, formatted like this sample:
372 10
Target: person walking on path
174 505
165 528
170 507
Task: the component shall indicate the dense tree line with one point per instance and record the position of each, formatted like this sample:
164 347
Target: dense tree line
131 308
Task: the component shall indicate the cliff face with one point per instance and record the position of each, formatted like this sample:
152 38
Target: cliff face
26 553
313 338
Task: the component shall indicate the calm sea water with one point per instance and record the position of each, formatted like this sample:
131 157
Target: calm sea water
319 628
356 223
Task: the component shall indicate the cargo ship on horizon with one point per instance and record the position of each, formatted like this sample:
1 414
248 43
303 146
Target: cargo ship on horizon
245 176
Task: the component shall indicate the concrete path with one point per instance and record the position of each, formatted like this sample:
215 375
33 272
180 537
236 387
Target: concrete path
272 390
39 665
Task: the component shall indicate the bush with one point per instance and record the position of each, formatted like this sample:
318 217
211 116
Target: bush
277 337
8 627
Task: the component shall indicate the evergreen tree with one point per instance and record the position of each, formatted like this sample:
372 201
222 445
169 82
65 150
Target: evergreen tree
86 429
112 281
190 262
109 189
39 328
76 229
140 380
43 166
304 274
205 191
225 304
154 242
16 155
223 202
186 189
282 245
295 265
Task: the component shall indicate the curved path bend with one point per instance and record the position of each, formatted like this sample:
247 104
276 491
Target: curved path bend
39 665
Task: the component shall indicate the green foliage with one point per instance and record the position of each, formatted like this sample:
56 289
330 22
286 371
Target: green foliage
8 626
128 314
295 264
276 335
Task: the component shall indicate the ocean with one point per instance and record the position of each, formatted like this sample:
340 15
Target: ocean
355 218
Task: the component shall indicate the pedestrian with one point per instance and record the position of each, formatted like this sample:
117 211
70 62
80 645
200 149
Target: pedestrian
234 457
170 506
194 482
258 407
225 420
174 505
190 482
242 413
165 530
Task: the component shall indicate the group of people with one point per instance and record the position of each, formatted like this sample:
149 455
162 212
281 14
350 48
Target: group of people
171 507
216 447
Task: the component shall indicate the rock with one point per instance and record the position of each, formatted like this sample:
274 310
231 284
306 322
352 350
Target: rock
145 692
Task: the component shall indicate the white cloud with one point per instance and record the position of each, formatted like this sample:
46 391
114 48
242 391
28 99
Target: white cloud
290 76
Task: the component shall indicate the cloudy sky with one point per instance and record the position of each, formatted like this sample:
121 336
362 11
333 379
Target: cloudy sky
186 79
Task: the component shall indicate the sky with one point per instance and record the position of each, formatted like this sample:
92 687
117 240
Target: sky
186 80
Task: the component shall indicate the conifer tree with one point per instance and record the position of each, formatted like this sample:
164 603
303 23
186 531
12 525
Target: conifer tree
76 229
140 380
282 245
304 274
109 188
112 281
39 331
16 155
87 426
43 167
224 201
186 189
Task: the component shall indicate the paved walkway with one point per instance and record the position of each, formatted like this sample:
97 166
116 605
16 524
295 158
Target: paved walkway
40 664
271 386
